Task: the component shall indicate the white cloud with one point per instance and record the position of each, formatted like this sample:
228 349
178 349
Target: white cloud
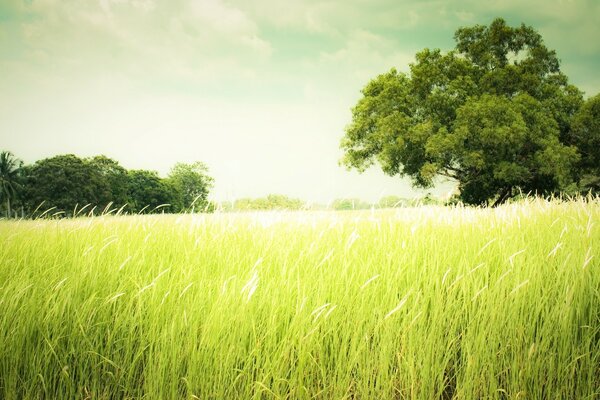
221 17
207 39
465 16
335 18
366 54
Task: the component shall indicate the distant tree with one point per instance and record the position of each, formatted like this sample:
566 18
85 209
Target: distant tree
10 168
147 191
64 182
281 202
211 207
192 183
494 114
270 202
392 202
349 204
585 135
115 175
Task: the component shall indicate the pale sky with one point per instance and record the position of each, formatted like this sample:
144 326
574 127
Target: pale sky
259 90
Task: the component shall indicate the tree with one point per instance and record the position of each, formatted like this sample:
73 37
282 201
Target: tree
115 176
10 168
350 204
392 202
192 183
148 192
271 202
494 114
586 136
65 182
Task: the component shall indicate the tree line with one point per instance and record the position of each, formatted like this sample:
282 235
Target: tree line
269 202
67 185
282 202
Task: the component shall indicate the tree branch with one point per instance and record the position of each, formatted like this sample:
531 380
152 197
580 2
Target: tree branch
505 195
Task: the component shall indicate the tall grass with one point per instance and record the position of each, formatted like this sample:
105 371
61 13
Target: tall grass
429 303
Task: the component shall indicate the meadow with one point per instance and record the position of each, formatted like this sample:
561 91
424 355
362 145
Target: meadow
416 303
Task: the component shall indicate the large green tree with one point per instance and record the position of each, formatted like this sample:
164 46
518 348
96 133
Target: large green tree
10 168
149 193
116 177
65 183
192 183
585 134
270 202
493 114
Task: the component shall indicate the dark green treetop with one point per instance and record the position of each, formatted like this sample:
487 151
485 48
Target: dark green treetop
192 183
64 182
116 177
585 134
149 193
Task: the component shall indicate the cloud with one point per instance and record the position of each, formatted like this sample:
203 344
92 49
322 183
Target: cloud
572 23
367 54
202 40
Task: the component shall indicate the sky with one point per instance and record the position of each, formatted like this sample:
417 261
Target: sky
259 90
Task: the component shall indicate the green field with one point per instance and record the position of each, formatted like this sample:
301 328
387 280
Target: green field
425 303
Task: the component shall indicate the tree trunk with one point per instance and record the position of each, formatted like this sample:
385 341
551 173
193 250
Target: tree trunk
505 195
8 213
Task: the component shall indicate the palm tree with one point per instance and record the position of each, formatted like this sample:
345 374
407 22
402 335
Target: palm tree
9 175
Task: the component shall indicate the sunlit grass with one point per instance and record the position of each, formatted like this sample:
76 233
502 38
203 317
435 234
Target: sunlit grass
401 304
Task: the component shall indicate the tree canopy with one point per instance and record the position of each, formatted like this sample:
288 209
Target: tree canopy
192 184
270 202
495 114
115 175
64 182
586 136
148 192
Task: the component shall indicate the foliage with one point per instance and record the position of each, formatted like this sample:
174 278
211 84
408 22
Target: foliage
494 114
115 176
434 303
149 193
10 168
270 202
586 136
192 184
65 183
392 202
350 204
399 202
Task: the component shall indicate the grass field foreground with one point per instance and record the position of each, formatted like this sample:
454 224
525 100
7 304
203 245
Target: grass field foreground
427 303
